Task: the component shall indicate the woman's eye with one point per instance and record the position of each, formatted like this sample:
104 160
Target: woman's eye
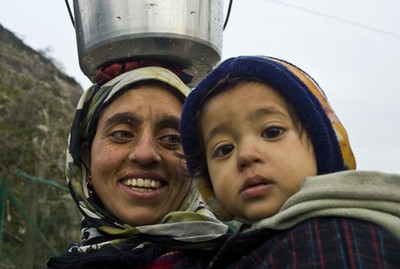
223 150
272 132
122 135
171 141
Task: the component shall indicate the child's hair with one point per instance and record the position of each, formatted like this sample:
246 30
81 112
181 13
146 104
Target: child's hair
327 135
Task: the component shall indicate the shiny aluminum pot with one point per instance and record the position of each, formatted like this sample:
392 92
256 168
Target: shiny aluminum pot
187 33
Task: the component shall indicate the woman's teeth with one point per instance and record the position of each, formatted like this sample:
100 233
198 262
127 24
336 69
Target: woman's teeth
140 183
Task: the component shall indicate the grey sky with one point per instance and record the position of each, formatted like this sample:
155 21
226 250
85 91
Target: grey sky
351 48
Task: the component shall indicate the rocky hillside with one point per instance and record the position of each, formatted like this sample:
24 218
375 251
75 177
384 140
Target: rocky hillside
37 102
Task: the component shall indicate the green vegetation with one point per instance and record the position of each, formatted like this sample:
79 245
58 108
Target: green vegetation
37 102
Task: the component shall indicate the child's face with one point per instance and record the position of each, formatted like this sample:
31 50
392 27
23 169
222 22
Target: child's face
256 154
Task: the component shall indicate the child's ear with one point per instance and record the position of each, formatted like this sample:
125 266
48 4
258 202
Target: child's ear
85 155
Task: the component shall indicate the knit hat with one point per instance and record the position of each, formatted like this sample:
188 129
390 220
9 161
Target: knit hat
328 136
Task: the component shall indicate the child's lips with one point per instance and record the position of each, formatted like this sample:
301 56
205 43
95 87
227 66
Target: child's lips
255 187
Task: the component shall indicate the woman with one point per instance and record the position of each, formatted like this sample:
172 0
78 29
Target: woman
139 209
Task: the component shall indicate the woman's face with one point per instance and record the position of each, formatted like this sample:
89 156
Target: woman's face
256 154
132 163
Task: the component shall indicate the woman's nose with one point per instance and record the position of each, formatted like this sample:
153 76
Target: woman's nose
145 150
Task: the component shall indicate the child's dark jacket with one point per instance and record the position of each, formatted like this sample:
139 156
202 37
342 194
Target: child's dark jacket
341 220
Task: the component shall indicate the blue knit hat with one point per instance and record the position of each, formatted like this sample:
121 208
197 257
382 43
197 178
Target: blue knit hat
328 136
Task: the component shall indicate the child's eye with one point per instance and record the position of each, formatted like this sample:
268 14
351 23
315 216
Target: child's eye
223 150
272 132
171 141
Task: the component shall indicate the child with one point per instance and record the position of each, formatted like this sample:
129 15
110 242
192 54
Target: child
263 134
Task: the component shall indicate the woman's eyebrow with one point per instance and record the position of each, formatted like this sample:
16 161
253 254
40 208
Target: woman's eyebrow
131 118
125 117
167 121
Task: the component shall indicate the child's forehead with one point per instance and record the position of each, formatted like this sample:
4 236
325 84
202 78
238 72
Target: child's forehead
263 91
245 102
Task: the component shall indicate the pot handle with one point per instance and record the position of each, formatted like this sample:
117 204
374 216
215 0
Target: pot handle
228 13
70 13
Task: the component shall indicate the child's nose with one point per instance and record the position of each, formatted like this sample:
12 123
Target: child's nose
249 153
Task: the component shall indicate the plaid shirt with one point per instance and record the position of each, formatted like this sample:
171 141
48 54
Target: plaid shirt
326 242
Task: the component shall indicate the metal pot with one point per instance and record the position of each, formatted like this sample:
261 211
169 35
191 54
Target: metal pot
187 33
